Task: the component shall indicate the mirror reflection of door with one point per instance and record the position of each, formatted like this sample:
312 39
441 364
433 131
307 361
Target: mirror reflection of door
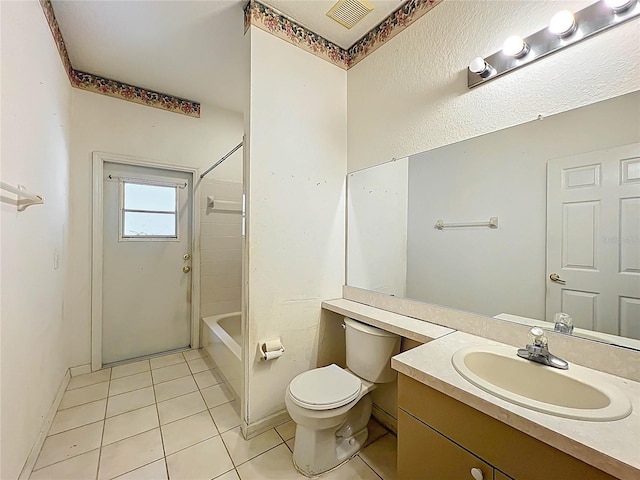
593 240
146 271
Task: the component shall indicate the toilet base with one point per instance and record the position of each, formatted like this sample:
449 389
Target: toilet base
345 452
318 451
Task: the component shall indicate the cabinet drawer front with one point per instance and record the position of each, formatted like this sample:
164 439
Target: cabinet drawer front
425 454
502 446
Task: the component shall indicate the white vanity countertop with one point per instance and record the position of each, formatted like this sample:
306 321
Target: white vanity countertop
407 327
613 447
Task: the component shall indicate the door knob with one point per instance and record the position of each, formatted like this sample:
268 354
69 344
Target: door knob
186 269
186 256
556 278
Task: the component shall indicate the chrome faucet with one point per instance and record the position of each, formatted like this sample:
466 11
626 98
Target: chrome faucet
563 323
538 351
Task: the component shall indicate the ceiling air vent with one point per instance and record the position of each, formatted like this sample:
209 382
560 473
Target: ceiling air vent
349 12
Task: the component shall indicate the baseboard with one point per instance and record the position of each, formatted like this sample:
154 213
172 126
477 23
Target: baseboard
385 418
80 370
46 424
261 426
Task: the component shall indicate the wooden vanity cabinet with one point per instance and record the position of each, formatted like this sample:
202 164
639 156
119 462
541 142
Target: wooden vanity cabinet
441 438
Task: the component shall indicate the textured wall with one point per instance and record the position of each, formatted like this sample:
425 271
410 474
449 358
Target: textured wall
36 109
411 95
295 210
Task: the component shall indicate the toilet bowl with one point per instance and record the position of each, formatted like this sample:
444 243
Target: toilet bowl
331 406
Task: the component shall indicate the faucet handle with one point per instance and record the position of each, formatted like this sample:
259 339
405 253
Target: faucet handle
538 338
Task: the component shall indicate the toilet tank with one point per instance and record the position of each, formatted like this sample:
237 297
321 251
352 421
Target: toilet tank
369 351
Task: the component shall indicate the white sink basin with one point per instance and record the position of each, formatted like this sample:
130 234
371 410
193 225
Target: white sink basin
575 393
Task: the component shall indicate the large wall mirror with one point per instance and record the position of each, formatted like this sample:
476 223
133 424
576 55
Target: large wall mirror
564 194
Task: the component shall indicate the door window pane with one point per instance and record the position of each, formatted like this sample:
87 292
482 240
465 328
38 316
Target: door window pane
154 198
148 224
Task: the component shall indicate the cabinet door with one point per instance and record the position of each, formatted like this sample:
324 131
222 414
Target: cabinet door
498 475
425 454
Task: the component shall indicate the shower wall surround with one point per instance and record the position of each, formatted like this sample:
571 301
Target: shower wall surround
220 249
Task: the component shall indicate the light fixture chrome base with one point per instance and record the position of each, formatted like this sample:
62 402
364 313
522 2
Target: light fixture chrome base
591 20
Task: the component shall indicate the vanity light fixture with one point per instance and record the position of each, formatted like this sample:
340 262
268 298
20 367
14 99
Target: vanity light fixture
515 46
563 24
480 67
565 29
619 5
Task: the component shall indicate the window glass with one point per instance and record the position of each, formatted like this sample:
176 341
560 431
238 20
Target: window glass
156 198
149 211
139 224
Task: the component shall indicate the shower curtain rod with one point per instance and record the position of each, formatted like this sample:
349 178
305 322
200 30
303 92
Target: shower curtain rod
221 160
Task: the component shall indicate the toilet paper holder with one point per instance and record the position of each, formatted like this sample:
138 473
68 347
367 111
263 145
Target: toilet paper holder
270 349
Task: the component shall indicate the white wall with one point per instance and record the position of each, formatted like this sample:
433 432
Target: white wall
411 94
502 174
101 123
35 142
296 210
377 203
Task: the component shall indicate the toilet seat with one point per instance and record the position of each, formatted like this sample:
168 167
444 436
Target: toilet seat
324 388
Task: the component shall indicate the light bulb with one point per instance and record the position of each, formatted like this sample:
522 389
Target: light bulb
480 67
515 46
562 23
619 5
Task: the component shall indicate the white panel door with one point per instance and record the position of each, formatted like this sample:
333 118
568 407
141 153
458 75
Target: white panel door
593 239
146 306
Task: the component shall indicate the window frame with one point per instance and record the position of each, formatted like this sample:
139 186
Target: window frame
122 210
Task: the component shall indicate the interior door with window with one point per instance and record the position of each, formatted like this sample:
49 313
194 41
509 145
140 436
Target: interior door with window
593 239
146 298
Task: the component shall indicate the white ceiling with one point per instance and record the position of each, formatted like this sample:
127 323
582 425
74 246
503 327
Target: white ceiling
189 49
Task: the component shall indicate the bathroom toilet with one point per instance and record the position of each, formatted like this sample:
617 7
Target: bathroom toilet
331 406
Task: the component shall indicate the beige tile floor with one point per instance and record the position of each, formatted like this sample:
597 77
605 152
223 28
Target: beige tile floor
173 417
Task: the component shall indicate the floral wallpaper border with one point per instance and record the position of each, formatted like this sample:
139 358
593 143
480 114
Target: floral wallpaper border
113 88
263 17
278 24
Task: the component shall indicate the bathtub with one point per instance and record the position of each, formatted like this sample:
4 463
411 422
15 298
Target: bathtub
222 339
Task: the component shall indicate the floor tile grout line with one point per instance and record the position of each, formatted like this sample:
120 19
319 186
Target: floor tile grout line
259 455
189 446
129 411
189 416
131 436
367 464
169 365
129 374
198 443
87 385
129 391
65 459
104 421
141 466
76 428
224 473
84 403
164 451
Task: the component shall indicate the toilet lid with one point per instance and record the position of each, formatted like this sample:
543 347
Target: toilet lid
324 388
